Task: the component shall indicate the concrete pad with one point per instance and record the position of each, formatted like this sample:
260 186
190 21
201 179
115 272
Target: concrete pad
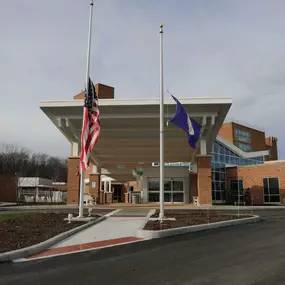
111 228
164 219
84 219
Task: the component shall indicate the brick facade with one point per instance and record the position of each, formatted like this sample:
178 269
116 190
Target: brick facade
193 186
8 188
257 143
109 197
226 131
94 180
73 181
252 177
271 145
103 92
102 198
136 186
204 180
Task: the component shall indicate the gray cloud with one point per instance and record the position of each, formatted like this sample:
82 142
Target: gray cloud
212 48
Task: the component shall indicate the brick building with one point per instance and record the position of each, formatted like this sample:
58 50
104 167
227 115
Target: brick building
129 143
8 188
249 139
264 181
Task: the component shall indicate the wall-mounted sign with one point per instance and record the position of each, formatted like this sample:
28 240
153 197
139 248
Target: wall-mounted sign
121 166
93 185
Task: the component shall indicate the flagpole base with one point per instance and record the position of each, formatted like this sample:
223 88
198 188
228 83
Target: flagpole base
161 217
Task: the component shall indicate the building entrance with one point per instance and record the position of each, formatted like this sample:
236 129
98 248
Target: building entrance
174 189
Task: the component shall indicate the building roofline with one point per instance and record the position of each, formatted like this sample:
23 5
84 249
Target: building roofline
274 161
136 102
247 125
240 152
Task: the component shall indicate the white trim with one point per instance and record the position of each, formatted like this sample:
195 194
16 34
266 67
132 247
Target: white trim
203 147
75 149
274 161
136 102
245 124
240 152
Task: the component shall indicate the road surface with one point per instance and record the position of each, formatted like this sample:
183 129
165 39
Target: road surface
240 255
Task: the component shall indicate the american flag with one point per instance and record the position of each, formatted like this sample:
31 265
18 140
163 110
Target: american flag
91 126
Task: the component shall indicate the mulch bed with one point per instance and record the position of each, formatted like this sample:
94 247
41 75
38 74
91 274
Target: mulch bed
29 229
188 218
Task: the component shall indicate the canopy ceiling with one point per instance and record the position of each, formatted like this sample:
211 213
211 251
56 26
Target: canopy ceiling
130 128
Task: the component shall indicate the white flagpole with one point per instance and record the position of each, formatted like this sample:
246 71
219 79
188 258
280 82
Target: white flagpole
161 163
82 177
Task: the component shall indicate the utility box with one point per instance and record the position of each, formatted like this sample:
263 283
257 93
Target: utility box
135 198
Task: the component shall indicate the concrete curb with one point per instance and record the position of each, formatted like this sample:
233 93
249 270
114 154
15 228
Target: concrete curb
146 234
37 248
47 207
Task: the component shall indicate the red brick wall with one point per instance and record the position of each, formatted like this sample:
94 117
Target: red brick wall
193 186
103 92
204 180
124 190
109 197
61 187
8 188
94 191
73 181
226 131
134 184
102 197
271 145
257 137
252 177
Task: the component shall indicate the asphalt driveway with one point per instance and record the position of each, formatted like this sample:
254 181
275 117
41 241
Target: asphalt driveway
243 255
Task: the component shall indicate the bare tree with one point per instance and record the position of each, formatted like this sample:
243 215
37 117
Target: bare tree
18 160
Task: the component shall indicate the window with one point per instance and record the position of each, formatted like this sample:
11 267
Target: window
244 147
242 136
173 190
236 185
271 190
167 186
236 190
177 186
131 188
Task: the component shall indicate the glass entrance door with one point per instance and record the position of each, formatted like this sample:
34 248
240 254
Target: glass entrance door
173 190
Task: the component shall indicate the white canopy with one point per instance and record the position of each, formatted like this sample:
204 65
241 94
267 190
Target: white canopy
130 128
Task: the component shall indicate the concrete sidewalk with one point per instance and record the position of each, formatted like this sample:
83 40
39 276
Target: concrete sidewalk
7 204
122 206
120 227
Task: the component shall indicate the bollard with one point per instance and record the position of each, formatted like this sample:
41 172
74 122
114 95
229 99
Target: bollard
69 217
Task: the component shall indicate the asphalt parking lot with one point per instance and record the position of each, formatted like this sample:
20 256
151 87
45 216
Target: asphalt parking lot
245 254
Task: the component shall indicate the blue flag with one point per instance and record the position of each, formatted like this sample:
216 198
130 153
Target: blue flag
189 125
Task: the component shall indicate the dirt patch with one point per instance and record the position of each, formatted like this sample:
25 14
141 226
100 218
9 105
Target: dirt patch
184 219
19 231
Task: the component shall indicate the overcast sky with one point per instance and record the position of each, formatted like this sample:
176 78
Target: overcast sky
212 49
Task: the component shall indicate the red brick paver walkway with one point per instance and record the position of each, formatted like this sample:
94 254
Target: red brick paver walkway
84 246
